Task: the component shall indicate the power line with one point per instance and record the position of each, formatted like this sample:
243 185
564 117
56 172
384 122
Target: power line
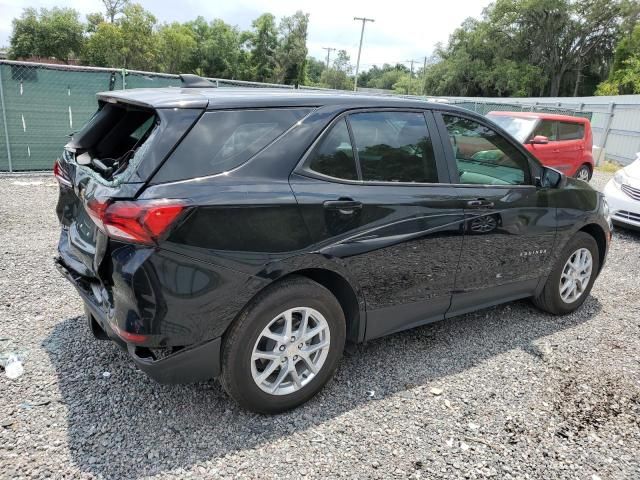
364 20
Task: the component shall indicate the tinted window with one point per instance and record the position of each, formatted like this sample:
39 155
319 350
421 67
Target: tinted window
334 154
221 141
393 147
483 156
546 128
570 131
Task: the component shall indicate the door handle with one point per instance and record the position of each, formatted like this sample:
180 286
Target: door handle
346 206
557 150
480 203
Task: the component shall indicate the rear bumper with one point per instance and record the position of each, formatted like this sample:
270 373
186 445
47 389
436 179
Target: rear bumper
192 364
166 311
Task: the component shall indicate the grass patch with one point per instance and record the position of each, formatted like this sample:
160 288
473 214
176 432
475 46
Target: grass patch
608 166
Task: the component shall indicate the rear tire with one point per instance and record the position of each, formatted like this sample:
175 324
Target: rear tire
558 296
269 369
584 173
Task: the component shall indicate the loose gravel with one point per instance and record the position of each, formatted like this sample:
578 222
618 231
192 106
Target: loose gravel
507 392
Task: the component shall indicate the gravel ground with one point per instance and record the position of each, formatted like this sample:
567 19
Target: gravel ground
506 392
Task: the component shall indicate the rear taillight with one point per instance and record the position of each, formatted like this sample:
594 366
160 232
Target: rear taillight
61 175
128 336
140 221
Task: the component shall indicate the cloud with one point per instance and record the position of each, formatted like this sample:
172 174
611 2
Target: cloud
407 30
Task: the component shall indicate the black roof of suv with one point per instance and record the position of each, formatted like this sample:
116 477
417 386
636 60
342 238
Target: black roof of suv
220 98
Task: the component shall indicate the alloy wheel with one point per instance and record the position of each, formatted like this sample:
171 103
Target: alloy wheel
290 351
583 174
576 275
484 224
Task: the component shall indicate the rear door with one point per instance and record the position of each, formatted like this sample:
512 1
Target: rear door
373 195
509 227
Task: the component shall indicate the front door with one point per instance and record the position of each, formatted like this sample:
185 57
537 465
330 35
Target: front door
570 145
509 227
370 194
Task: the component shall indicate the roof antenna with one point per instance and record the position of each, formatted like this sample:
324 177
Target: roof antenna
194 81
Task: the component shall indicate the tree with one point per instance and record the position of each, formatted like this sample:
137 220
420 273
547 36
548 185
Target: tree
222 50
342 62
386 77
139 37
176 45
625 72
315 68
529 47
93 21
218 49
560 35
263 43
105 47
56 33
114 7
131 41
291 53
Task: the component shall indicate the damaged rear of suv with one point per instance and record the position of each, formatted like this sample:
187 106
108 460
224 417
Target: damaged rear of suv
109 235
142 206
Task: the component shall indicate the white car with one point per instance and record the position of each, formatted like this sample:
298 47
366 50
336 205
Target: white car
623 195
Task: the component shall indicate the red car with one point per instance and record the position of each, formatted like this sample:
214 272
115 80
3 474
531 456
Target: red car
558 141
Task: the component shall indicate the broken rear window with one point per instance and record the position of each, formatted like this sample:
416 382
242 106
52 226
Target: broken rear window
111 140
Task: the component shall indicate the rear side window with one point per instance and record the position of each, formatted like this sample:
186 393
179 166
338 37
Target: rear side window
394 147
334 155
570 131
223 140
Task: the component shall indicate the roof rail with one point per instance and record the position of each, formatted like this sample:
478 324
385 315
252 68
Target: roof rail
195 81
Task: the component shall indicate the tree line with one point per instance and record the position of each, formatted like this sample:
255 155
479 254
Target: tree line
126 35
516 48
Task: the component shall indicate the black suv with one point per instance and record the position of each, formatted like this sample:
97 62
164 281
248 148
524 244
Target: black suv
248 234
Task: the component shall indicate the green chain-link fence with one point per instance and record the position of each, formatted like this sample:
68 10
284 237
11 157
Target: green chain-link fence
42 104
483 108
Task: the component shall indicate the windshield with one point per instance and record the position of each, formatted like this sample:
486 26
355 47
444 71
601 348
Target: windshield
519 128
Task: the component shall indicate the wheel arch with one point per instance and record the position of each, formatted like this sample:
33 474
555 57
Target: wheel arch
599 235
344 292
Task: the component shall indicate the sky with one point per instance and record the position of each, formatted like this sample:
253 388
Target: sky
404 31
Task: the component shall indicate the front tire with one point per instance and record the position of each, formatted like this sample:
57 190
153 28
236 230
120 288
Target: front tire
571 279
583 173
284 347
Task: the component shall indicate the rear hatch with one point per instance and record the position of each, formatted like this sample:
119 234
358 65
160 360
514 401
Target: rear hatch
106 163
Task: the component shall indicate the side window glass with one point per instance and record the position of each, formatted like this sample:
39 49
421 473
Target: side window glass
546 129
570 131
483 156
223 140
394 147
334 154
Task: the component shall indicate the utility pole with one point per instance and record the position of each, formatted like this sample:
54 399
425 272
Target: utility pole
424 76
329 50
411 75
363 20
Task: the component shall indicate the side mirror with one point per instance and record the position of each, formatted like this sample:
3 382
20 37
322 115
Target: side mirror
539 140
549 178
